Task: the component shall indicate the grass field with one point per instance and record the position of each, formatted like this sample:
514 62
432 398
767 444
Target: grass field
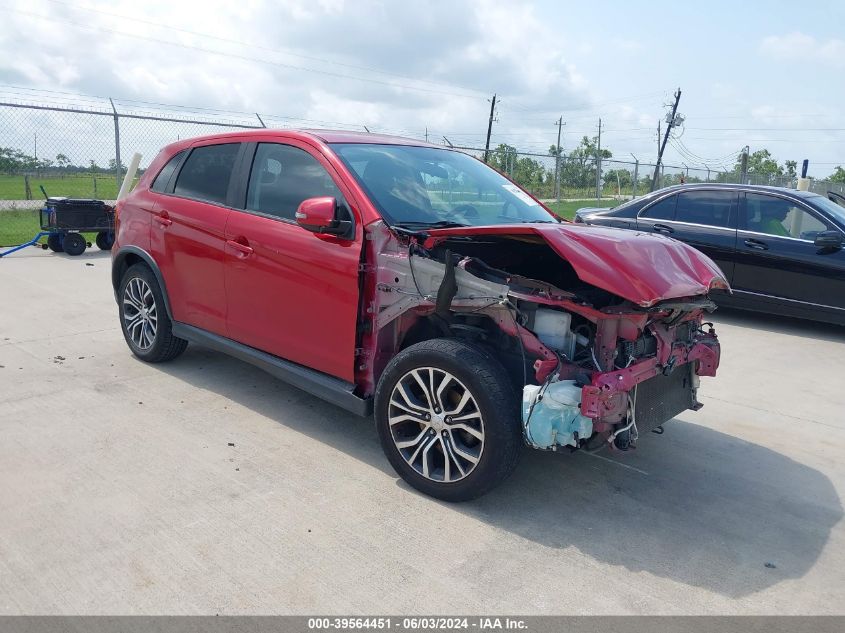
567 208
102 186
19 226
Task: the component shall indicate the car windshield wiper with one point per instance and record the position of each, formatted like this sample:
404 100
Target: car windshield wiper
442 224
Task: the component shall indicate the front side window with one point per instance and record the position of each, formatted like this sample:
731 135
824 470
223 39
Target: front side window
780 217
711 208
662 210
282 177
424 186
206 173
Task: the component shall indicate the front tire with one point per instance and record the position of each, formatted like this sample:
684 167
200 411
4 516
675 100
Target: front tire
448 419
143 317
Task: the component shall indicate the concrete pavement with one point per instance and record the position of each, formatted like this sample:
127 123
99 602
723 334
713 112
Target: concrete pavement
206 486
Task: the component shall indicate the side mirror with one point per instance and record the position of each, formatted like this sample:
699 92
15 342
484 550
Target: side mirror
829 240
320 215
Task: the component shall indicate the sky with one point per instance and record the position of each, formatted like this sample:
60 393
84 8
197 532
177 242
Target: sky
762 74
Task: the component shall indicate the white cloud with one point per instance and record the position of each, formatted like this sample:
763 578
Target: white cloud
801 48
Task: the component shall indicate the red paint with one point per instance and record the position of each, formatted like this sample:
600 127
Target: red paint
309 297
641 267
316 213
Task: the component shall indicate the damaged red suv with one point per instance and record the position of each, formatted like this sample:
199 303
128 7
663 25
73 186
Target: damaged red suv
411 281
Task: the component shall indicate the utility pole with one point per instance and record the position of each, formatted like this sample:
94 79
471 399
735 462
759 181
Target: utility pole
489 128
598 164
426 134
559 125
669 125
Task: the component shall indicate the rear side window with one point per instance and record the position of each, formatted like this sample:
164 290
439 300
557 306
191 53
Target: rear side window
282 177
206 173
161 181
711 208
663 210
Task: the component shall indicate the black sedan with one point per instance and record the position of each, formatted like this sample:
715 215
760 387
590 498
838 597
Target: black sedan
781 249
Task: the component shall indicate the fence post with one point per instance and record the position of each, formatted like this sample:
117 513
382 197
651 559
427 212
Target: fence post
116 144
27 189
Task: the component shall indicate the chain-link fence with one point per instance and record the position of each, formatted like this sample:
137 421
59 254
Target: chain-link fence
80 151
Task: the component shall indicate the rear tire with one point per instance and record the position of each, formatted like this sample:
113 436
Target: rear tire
143 317
74 244
54 242
448 419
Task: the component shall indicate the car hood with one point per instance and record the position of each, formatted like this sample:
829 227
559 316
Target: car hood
641 267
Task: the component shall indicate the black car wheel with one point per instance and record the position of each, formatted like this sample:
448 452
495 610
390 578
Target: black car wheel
448 419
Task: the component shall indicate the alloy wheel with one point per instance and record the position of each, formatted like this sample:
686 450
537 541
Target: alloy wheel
436 424
140 316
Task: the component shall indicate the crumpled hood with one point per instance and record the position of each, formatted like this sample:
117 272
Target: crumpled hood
641 267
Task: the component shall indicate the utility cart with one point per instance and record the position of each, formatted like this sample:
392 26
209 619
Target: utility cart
65 219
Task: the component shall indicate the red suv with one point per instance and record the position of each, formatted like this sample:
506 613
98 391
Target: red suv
409 280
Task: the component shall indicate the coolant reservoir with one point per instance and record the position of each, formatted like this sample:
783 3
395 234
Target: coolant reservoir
552 328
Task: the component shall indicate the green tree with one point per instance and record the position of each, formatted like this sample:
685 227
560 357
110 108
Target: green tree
838 175
62 161
790 168
762 165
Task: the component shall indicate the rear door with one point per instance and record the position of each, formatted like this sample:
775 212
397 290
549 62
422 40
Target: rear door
187 237
291 292
703 218
777 255
706 219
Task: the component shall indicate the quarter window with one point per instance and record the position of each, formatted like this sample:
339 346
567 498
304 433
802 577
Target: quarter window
662 210
282 177
207 172
711 208
161 181
780 217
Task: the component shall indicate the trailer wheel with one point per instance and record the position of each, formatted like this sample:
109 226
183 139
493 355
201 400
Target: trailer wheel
54 242
105 240
74 244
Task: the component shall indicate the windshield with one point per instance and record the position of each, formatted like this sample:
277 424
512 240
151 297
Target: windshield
426 186
830 206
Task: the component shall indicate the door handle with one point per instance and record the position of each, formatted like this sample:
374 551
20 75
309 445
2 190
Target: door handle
243 249
757 245
663 229
163 218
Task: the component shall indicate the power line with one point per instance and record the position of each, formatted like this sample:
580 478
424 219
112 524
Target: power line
134 18
230 55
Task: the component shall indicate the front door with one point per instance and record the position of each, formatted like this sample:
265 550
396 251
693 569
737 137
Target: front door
291 292
776 255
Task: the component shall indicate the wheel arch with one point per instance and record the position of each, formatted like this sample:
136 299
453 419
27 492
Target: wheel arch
129 256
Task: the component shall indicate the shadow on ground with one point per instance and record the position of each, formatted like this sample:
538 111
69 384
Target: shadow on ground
780 324
694 505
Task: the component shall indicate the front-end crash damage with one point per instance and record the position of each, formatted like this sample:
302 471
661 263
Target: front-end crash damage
600 330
